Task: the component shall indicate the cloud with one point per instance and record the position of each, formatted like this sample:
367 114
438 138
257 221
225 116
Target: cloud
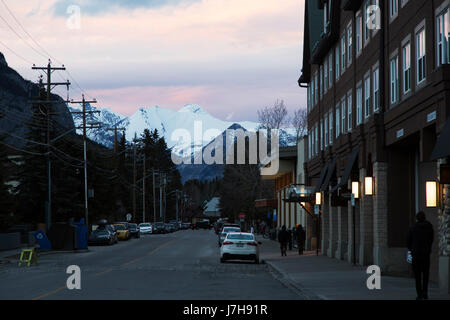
96 7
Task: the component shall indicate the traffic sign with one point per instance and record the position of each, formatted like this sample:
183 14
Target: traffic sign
353 199
129 216
316 209
242 216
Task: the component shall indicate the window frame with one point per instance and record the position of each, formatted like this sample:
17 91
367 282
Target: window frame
393 79
367 95
376 103
349 110
421 28
406 70
359 103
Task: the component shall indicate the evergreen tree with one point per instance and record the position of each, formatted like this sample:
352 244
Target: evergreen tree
6 201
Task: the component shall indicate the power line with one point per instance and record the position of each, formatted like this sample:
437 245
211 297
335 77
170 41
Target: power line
15 53
25 151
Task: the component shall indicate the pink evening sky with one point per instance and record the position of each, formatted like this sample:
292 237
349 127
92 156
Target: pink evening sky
231 57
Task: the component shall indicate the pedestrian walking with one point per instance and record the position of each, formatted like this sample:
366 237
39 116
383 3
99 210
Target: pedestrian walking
301 238
283 239
420 240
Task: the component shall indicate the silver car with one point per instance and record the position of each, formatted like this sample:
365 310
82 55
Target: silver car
146 228
224 232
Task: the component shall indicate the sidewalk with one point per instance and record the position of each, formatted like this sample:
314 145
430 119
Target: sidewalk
320 277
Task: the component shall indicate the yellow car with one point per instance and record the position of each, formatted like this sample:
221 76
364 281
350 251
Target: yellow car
122 232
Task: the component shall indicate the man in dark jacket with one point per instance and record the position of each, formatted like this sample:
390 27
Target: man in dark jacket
420 239
301 237
283 239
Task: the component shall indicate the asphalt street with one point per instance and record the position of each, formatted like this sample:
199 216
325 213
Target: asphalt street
181 265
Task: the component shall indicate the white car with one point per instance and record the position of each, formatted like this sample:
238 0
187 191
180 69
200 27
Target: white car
239 246
146 228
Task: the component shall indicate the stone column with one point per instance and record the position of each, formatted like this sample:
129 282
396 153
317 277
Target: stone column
333 227
380 215
366 225
325 226
444 236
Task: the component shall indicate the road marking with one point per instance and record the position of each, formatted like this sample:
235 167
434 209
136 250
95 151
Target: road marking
160 247
103 272
49 293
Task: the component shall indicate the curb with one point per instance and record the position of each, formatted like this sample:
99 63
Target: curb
286 280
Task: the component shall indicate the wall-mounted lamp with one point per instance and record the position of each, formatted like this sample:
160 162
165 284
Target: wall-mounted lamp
303 204
355 189
318 198
368 182
431 194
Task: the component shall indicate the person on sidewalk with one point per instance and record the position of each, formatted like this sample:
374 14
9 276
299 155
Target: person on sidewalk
301 238
283 239
420 240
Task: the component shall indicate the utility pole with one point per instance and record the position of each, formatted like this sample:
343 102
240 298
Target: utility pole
143 192
84 127
115 128
160 198
154 197
134 180
49 70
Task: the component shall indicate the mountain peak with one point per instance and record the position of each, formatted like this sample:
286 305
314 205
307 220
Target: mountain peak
193 108
3 60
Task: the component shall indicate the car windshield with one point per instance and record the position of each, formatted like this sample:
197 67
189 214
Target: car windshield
119 227
240 236
231 229
144 225
159 224
133 226
100 232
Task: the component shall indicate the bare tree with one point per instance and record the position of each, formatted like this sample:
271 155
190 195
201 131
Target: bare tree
273 117
300 122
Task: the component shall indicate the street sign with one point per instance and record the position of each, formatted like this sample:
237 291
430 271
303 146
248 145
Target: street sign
242 216
353 199
316 209
129 216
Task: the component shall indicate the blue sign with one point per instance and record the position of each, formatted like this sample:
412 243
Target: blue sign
274 216
42 240
268 215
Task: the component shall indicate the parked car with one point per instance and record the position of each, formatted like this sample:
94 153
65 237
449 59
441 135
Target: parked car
205 224
158 227
225 230
101 236
169 227
134 230
240 246
122 232
186 225
146 228
113 231
126 224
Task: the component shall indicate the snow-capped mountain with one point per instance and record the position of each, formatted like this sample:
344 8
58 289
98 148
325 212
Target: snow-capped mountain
192 119
197 127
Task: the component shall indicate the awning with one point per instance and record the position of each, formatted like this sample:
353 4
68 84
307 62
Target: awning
322 178
442 147
348 169
331 169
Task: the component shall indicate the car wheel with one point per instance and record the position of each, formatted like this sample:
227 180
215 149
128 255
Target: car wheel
222 260
257 261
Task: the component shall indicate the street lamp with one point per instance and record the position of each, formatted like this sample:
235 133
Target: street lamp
355 189
431 194
318 198
368 181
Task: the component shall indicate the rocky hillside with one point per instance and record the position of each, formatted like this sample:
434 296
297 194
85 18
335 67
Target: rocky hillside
15 94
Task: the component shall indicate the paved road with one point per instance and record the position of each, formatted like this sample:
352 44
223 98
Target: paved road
181 265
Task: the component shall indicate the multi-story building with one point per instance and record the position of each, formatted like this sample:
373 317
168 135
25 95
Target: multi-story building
377 74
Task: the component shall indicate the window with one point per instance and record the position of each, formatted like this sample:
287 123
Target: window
376 89
406 67
321 135
349 44
337 63
393 8
325 123
442 37
344 115
394 79
316 136
330 66
358 34
359 105
338 121
316 91
321 82
309 144
325 76
367 97
349 108
330 119
366 25
420 56
343 55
